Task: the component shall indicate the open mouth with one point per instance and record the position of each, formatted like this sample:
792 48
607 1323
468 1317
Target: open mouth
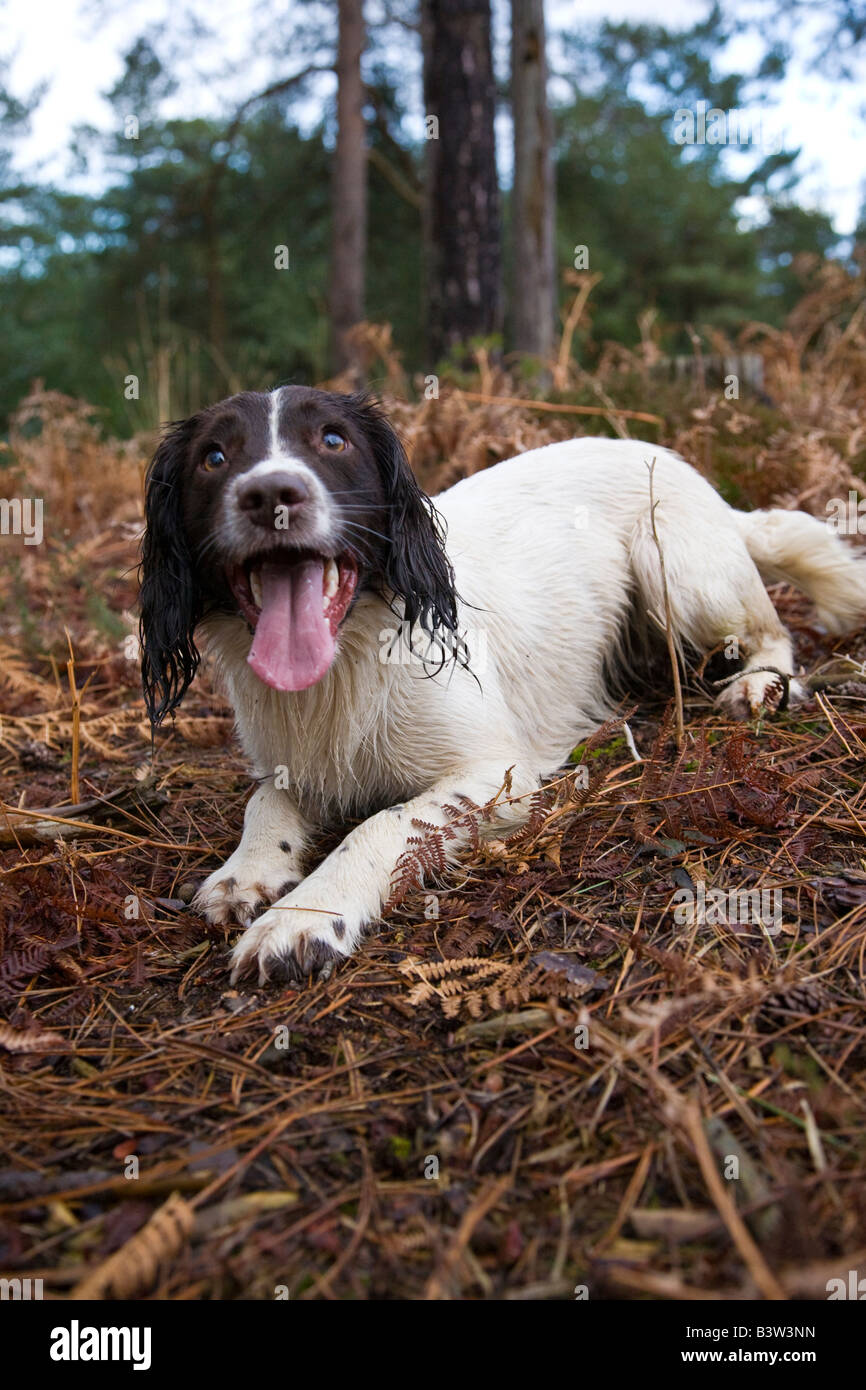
294 601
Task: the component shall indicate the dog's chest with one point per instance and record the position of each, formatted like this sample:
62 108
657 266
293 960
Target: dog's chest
347 745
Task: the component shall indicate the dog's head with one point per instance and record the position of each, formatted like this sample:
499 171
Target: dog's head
282 508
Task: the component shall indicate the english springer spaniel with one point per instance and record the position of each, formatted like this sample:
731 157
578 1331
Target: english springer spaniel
375 671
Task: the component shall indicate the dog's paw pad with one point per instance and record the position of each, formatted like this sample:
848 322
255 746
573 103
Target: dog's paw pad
309 959
757 691
292 945
231 897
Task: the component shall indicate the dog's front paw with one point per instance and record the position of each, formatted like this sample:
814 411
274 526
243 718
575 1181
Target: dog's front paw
245 885
744 697
293 941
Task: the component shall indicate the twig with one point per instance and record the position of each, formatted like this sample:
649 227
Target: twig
697 348
74 792
669 631
437 1285
561 409
757 1265
572 319
630 743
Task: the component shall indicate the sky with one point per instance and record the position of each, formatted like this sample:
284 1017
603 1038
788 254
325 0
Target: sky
76 47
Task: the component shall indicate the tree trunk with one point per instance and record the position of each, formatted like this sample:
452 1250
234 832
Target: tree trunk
533 290
349 201
462 222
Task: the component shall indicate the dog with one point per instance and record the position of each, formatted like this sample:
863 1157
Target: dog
393 657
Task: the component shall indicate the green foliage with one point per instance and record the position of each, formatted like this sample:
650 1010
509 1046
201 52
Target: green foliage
662 222
170 278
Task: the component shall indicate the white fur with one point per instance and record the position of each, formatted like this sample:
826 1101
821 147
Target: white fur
551 550
261 868
274 421
317 530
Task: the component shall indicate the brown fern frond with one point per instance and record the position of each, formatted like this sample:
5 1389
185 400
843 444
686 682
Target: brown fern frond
136 1265
28 961
33 1039
439 969
464 937
540 804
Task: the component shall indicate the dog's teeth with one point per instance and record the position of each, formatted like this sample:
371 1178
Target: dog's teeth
332 582
256 588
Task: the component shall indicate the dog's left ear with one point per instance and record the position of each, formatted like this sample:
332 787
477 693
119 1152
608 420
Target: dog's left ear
416 566
169 601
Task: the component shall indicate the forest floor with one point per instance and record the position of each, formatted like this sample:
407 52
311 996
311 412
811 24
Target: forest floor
539 1076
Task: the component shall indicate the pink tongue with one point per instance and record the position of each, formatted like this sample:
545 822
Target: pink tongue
293 644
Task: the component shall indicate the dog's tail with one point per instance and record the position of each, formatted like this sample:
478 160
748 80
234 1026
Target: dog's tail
801 550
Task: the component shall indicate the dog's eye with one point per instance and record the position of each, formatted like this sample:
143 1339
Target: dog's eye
213 460
334 441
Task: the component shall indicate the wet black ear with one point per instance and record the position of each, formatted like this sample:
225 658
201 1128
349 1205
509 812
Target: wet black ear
169 600
416 566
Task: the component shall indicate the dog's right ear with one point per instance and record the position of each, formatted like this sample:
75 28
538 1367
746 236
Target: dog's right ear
169 600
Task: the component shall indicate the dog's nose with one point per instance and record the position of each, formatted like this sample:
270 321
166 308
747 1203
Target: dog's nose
259 498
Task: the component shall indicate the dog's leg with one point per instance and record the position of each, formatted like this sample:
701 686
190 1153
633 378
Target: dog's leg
266 863
323 918
717 597
766 680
